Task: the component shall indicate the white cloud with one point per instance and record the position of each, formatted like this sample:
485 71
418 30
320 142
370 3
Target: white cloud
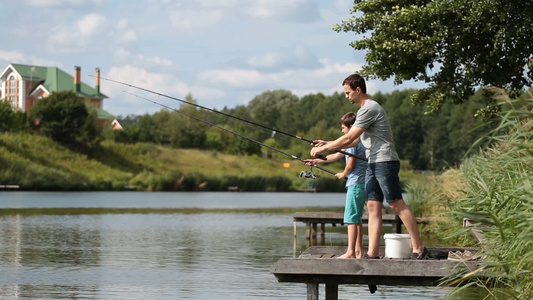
62 3
126 99
85 34
224 52
148 80
298 57
16 57
11 56
244 84
283 10
91 24
124 56
336 68
232 77
93 32
194 15
194 19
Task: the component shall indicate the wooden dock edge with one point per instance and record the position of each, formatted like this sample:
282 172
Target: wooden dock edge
319 265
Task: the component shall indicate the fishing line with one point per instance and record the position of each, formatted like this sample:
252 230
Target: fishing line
302 174
227 115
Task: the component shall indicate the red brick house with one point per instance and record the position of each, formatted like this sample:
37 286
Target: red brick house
24 85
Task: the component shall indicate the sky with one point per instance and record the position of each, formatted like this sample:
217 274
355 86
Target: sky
222 52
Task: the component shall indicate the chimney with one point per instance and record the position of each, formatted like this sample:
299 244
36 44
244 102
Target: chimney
77 81
97 84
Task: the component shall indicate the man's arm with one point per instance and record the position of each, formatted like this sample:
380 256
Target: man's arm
348 140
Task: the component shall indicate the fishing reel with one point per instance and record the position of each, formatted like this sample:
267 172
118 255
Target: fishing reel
307 174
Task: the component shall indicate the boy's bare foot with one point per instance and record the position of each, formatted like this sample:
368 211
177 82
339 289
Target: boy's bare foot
346 255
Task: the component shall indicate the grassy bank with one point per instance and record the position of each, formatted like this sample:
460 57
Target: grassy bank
37 163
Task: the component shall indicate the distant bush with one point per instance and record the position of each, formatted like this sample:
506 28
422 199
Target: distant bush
64 117
11 121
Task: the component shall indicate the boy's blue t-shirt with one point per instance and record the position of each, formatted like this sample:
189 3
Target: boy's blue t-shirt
357 175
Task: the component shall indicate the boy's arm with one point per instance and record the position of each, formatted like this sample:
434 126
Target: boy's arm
347 169
330 158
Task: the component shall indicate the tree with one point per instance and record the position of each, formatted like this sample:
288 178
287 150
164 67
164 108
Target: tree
64 117
7 116
267 108
454 46
406 124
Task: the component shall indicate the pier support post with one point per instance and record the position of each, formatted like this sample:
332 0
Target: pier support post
332 291
398 224
312 291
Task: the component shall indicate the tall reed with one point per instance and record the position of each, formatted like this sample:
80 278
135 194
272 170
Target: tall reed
498 197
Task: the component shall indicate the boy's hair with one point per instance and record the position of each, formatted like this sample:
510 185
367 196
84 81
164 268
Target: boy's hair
355 81
348 119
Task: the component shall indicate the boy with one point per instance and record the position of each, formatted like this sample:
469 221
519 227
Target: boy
355 189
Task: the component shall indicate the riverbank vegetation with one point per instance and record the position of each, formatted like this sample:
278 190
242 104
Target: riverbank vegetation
492 188
426 142
168 151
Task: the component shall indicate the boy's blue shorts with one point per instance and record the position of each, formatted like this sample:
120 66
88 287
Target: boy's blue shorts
355 203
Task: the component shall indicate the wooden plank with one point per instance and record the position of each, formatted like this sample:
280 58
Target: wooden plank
368 267
333 251
334 217
311 219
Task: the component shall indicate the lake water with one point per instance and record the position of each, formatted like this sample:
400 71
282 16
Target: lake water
208 255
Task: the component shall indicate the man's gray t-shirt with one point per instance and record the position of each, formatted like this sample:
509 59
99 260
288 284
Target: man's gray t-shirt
377 137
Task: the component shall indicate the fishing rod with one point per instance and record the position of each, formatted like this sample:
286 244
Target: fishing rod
322 156
307 174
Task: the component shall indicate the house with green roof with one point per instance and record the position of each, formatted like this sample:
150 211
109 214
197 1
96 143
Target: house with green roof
24 85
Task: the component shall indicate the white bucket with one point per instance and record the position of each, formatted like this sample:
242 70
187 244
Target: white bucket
397 245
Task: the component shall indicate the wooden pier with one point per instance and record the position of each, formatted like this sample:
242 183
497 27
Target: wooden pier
319 265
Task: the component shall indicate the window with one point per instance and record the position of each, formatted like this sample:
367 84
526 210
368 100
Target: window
11 91
12 85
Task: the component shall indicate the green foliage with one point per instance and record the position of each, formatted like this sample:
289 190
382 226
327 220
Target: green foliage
433 142
7 116
37 163
493 188
9 119
417 200
329 184
64 117
500 196
454 46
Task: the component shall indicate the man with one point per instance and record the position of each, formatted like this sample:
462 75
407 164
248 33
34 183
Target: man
372 128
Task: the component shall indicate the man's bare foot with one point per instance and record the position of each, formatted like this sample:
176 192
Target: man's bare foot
346 255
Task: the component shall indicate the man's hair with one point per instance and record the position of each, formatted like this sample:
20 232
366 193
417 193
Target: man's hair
348 119
355 81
